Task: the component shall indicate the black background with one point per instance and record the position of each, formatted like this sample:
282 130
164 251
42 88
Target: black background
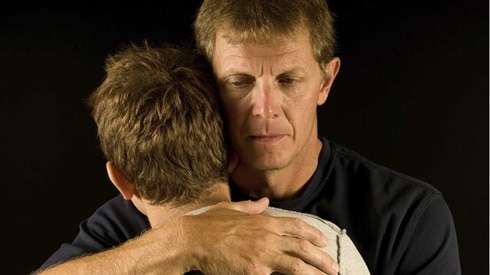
412 94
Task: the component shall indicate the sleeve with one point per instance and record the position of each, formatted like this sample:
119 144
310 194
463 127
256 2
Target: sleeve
432 245
115 222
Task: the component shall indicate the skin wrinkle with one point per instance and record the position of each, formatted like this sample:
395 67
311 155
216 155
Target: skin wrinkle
234 64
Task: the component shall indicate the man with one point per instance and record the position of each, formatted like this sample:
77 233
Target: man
160 129
274 63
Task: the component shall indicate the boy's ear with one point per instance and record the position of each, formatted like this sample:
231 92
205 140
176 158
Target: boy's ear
126 188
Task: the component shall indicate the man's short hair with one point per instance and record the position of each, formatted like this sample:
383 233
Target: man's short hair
266 21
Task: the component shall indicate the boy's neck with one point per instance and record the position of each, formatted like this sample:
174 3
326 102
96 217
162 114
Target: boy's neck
159 214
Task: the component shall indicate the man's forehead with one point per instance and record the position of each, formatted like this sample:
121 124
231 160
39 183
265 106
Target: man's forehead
285 46
289 53
266 39
274 64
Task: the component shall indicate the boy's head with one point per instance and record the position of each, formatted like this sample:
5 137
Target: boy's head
158 121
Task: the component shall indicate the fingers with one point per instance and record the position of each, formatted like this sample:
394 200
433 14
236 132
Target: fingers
302 241
294 227
229 241
291 265
289 255
298 228
306 256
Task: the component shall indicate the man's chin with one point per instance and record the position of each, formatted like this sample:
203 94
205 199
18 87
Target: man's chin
262 158
267 164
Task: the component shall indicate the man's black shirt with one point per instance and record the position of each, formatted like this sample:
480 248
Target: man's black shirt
400 225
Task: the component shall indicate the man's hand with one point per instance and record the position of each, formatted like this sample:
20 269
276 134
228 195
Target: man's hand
230 238
235 238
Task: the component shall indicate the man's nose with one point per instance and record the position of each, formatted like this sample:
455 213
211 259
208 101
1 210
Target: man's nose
266 101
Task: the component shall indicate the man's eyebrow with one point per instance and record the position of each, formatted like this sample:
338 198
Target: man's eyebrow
232 70
292 71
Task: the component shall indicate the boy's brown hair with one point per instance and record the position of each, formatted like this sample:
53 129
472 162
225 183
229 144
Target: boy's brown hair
158 121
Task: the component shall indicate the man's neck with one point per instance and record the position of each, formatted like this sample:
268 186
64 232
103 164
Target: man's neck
159 214
279 184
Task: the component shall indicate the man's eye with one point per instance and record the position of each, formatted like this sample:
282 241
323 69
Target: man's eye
239 83
287 81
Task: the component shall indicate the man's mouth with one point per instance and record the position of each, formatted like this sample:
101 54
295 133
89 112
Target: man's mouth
266 138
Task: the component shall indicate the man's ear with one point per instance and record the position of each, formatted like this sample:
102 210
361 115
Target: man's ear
331 70
126 188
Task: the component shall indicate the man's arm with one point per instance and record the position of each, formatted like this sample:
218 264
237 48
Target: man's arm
227 239
145 254
432 246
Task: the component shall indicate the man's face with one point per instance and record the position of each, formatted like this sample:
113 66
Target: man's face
270 95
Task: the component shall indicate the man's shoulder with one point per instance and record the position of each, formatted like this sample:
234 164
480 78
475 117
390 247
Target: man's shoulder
359 169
